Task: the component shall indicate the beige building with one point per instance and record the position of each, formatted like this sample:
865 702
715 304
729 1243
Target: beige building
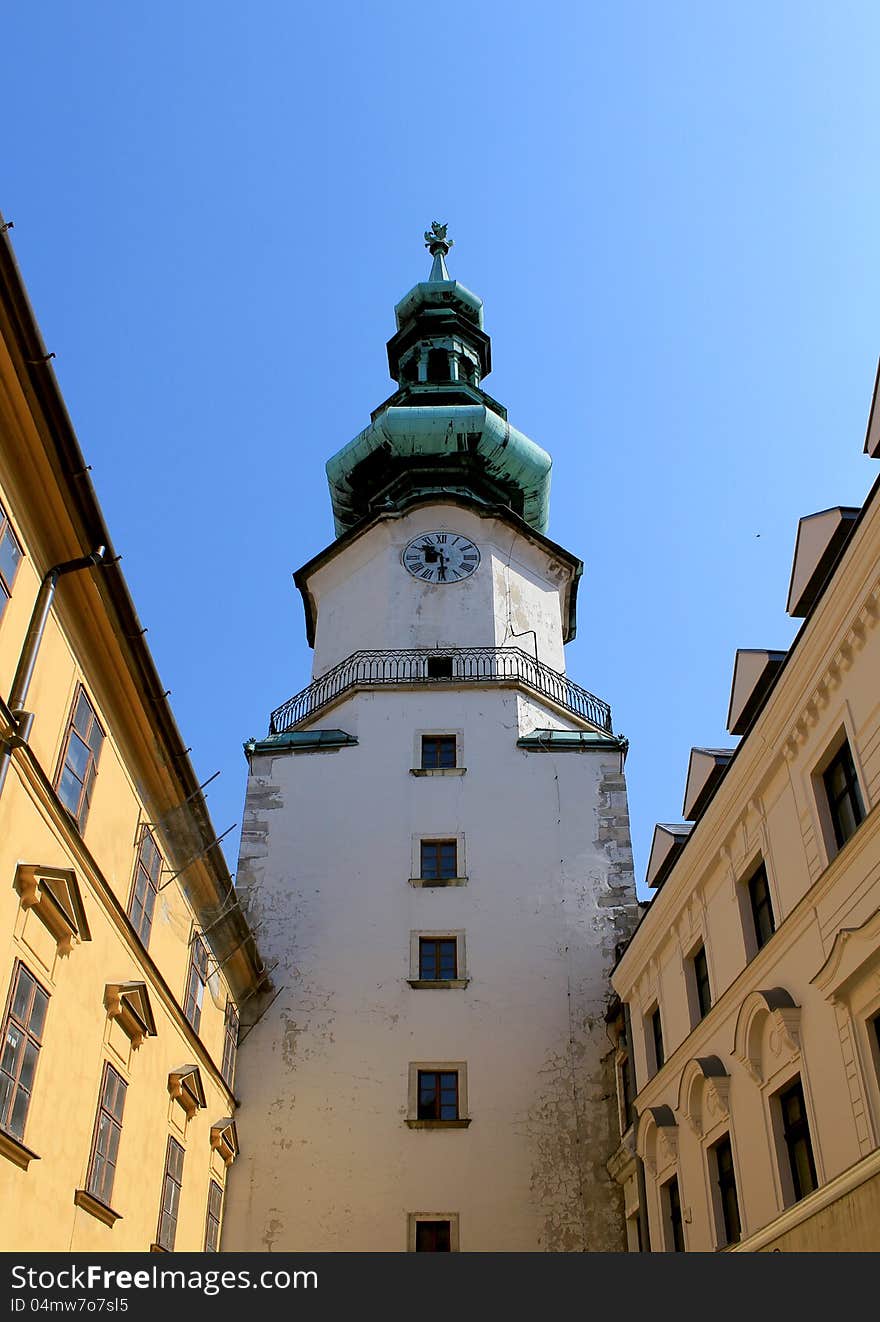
748 1012
125 961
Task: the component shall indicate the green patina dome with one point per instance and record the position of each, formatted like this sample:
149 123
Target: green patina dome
440 431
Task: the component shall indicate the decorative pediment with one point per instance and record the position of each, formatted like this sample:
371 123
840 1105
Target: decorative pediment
129 1004
622 1163
185 1086
54 895
703 1093
657 1138
776 1007
855 952
224 1139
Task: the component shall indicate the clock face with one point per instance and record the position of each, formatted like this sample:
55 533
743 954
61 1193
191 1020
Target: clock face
441 557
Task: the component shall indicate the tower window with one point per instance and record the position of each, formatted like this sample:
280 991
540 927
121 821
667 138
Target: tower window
466 370
438 958
844 796
438 365
433 1237
438 751
439 860
438 1095
439 667
409 370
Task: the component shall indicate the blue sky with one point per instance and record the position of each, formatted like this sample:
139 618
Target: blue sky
670 213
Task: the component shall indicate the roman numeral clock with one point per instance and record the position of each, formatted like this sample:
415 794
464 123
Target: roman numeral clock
441 557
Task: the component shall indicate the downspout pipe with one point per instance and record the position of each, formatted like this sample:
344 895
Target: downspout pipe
26 662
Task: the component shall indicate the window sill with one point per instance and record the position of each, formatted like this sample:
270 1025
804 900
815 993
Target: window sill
15 1151
101 1211
439 984
438 1124
439 881
437 771
157 1248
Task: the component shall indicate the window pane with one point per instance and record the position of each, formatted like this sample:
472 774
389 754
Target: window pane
19 1112
28 1065
82 717
70 790
12 1049
23 990
10 555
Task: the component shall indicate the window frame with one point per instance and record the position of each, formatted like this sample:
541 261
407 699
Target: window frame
673 1216
790 1178
414 1219
654 1038
80 814
104 1195
193 999
752 939
169 1178
852 791
415 978
718 1180
700 1005
441 744
213 1217
417 1068
230 1042
34 1039
7 584
151 887
437 839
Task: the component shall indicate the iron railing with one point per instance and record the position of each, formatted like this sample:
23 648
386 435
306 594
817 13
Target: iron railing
460 665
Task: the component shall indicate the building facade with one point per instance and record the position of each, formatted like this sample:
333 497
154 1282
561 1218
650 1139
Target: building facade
436 846
125 960
748 1012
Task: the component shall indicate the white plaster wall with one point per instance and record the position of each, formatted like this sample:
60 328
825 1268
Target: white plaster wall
366 598
327 1162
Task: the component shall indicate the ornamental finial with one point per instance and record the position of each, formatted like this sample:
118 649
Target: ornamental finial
436 240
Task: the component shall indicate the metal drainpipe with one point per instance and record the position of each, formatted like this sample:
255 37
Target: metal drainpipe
26 662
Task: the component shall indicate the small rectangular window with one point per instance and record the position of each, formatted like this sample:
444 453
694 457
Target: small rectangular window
675 1229
439 667
10 559
212 1220
145 886
657 1037
438 751
433 1237
796 1136
438 959
701 981
171 1186
845 802
439 860
438 1095
79 762
196 982
108 1130
721 1156
230 1042
762 909
22 1041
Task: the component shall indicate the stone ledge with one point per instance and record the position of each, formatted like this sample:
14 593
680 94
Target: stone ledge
437 1124
437 771
15 1151
438 984
101 1211
440 881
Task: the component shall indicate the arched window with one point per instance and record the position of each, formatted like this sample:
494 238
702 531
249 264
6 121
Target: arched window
438 365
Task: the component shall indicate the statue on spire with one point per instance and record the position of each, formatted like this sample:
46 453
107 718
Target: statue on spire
436 240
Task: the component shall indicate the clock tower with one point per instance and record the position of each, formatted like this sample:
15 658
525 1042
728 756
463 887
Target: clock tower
435 851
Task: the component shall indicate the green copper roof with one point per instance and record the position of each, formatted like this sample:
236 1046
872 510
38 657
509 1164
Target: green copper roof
439 432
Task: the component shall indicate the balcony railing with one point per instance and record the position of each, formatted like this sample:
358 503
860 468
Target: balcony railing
462 665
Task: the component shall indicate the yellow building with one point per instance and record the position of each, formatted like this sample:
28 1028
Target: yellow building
125 960
748 1010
